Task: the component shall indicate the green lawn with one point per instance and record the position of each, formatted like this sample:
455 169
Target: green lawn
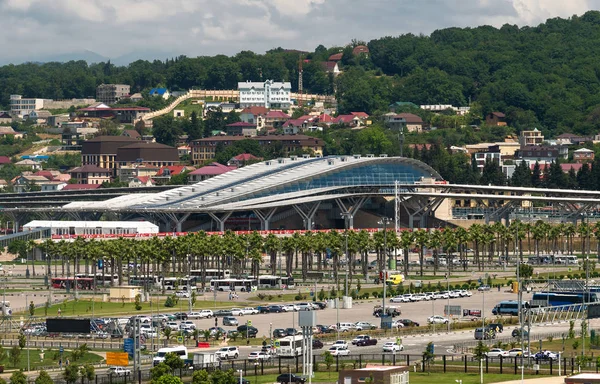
188 107
50 360
85 307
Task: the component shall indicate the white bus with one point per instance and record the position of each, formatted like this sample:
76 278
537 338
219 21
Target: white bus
211 274
170 283
239 285
566 259
179 350
146 281
290 346
106 280
270 281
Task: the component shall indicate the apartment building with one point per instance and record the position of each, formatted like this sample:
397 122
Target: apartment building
111 93
533 137
21 106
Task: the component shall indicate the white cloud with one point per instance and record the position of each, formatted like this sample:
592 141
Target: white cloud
206 27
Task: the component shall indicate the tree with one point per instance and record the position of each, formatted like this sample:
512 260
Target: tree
168 379
44 378
428 355
166 130
3 354
87 371
31 308
195 128
22 341
174 361
201 377
159 371
480 351
525 271
328 359
71 373
18 377
14 356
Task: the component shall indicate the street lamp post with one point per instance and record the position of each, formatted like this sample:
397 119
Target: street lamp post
385 221
346 215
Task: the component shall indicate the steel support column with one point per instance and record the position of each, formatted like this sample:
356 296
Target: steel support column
265 218
350 211
220 220
308 216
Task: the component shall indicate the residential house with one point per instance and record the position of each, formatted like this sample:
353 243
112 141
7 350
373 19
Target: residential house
204 149
51 186
184 150
241 129
533 137
360 50
21 107
495 118
394 121
111 93
324 118
292 127
91 174
275 119
39 116
4 160
583 155
331 67
141 181
535 153
124 115
5 118
254 115
414 123
8 130
208 171
242 160
491 155
136 97
347 120
336 57
29 163
570 139
162 92
127 173
164 174
131 133
57 120
26 182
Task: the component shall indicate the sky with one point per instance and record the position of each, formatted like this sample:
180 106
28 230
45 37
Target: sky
125 30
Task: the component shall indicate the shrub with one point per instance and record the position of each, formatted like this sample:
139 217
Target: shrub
169 303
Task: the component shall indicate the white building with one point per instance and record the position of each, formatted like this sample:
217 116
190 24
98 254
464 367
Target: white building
20 106
269 94
93 227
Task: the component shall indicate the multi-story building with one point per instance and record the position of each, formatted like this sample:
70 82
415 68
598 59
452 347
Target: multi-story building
204 149
90 174
111 93
534 137
101 151
535 153
156 154
269 94
583 155
20 106
482 157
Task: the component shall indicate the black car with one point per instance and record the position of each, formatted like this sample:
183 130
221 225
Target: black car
279 332
517 333
408 323
263 309
291 331
243 381
275 308
290 378
317 344
181 316
321 304
325 329
247 330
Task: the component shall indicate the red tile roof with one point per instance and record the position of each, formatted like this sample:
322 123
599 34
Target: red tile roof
47 174
70 187
360 49
341 119
498 114
242 124
362 115
410 118
212 169
328 66
144 179
245 157
277 115
256 110
294 123
336 57
5 160
174 170
325 118
567 167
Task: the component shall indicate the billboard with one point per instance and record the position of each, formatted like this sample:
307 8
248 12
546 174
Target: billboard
120 359
64 325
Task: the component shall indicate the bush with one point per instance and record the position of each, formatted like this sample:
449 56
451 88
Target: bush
169 303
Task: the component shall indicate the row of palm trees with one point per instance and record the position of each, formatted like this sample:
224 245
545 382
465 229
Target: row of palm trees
308 251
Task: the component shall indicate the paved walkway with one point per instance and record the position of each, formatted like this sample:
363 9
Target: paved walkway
541 380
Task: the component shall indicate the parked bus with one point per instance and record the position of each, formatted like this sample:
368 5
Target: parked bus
509 307
83 283
240 285
566 259
541 259
101 280
211 274
270 281
146 281
290 346
170 283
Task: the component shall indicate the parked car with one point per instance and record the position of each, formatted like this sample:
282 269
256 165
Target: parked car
321 304
391 346
292 332
317 344
222 313
247 330
230 320
237 312
517 333
194 315
173 325
546 355
250 311
263 309
181 315
276 308
290 378
364 326
408 322
515 352
436 319
398 299
483 288
279 332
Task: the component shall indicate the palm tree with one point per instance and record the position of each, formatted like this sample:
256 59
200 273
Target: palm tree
30 246
462 238
407 239
476 236
421 239
570 230
585 231
255 249
450 242
272 245
434 243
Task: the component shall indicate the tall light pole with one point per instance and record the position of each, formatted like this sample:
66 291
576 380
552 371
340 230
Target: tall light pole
385 221
346 216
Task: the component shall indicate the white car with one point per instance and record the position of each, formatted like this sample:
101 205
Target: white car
237 312
515 352
454 294
339 351
305 306
173 325
206 314
428 296
437 319
183 294
497 352
250 311
397 324
391 346
397 299
187 325
287 308
341 344
118 371
256 356
363 325
441 295
228 353
194 315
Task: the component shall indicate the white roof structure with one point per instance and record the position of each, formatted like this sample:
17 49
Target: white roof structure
81 227
273 183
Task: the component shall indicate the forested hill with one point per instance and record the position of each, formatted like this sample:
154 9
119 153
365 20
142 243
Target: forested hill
546 76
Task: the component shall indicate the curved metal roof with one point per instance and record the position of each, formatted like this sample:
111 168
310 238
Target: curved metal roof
283 180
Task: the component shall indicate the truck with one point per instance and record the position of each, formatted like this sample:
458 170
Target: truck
203 360
390 311
364 340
